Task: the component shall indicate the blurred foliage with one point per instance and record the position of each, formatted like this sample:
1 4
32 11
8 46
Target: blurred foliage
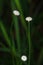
17 36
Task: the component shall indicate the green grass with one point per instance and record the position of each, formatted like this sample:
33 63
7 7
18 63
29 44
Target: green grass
28 29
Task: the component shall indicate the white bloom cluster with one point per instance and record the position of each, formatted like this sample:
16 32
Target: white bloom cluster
24 58
15 12
28 19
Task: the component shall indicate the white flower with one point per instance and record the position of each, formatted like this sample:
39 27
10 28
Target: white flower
28 19
24 58
15 12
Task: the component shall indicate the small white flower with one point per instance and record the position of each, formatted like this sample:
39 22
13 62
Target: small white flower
28 19
24 58
15 12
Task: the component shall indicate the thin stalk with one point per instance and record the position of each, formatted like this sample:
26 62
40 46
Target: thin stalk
13 49
29 42
17 32
13 43
15 22
21 15
16 25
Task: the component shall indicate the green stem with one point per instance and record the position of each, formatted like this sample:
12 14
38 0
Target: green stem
21 15
16 25
29 41
15 22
